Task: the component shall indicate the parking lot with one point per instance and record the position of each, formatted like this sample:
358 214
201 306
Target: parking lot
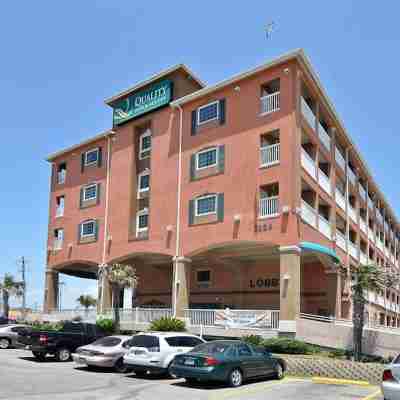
21 377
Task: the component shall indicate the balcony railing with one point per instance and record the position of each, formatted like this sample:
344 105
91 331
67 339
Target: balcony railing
308 164
270 155
324 182
340 200
324 137
270 103
379 217
353 250
269 207
59 211
361 190
325 227
340 159
363 226
352 213
340 240
57 244
351 175
371 235
370 203
308 113
308 214
363 258
61 176
379 244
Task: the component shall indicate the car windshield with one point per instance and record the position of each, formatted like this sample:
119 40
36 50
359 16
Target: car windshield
212 348
108 341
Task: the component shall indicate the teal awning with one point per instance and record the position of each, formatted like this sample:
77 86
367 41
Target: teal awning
318 248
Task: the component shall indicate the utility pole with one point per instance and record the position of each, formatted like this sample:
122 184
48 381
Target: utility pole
22 263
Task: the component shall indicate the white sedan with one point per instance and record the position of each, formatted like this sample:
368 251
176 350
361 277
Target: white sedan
391 380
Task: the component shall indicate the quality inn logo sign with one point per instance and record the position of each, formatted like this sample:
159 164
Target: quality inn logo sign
142 102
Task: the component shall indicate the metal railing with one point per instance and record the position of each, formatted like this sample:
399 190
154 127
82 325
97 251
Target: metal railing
363 258
340 159
308 214
57 244
61 175
340 200
363 225
59 211
370 203
340 240
324 182
324 137
352 213
270 155
269 207
325 227
353 250
308 113
308 164
371 234
361 190
270 103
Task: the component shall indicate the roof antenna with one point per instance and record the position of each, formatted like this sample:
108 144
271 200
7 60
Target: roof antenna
269 29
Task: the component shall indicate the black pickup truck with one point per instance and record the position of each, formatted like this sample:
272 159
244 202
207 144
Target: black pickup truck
60 343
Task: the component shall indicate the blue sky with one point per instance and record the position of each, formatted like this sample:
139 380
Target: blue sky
60 60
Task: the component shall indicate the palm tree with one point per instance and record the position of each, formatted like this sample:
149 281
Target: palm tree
9 288
367 278
120 276
86 301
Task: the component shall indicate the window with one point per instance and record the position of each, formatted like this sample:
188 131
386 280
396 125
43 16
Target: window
61 173
142 221
216 347
183 341
151 343
144 182
73 327
208 112
90 192
60 200
207 158
108 341
244 350
145 144
88 228
203 276
91 157
206 205
58 238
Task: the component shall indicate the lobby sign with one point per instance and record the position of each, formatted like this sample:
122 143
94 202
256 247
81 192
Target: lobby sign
243 319
266 283
142 102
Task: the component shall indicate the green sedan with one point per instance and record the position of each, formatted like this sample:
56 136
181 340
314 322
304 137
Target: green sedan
230 361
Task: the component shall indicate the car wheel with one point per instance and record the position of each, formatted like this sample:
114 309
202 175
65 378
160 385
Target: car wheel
39 356
141 374
120 367
4 343
235 378
63 355
279 371
169 373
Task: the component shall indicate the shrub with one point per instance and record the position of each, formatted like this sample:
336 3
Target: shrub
106 324
289 346
46 326
337 353
168 324
254 340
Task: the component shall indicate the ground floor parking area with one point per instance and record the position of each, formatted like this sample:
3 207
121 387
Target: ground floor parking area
21 377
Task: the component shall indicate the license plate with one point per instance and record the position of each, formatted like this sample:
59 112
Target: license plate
189 361
137 352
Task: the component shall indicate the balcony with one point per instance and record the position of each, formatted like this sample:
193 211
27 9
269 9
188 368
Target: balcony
57 244
352 213
324 182
353 251
370 203
325 227
59 212
340 200
308 164
379 217
363 226
270 103
351 175
61 175
307 113
324 137
371 235
379 244
308 214
270 155
340 240
361 190
340 159
269 207
363 258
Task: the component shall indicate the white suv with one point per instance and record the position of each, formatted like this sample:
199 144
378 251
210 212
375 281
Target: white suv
154 351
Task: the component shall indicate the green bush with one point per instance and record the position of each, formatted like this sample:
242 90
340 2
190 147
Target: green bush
254 340
168 324
106 324
46 326
289 346
337 353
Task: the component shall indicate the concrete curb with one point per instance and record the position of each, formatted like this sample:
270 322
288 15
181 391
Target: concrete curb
335 381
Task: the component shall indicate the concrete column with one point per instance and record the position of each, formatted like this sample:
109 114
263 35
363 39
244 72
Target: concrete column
289 289
333 292
51 291
181 286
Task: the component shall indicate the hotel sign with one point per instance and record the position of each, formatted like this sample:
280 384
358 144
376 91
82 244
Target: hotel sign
142 102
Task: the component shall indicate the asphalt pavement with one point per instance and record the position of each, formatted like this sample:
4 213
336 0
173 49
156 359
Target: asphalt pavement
22 377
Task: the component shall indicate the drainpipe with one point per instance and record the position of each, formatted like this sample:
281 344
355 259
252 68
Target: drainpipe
178 206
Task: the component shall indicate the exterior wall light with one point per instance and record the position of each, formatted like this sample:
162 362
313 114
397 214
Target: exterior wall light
285 210
286 277
169 228
237 89
236 217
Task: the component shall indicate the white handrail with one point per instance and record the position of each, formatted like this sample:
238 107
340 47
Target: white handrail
308 113
325 227
270 103
324 181
340 200
324 137
308 214
308 164
270 155
269 207
340 159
